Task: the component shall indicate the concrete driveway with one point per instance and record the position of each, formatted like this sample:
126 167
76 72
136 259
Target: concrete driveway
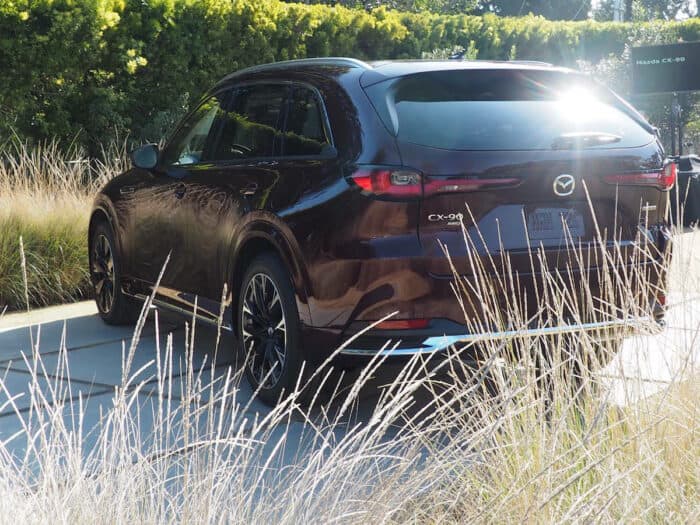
88 371
72 359
90 367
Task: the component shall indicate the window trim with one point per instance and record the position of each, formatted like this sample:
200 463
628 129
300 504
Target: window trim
290 84
281 120
230 91
325 123
183 120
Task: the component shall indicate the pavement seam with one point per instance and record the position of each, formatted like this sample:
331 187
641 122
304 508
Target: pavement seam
58 378
178 376
105 388
67 401
81 347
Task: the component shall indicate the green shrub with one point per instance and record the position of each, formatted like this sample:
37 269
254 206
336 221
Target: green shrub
45 199
55 250
92 69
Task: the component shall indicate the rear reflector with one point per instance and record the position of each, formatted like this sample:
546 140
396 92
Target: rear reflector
434 186
403 324
406 183
663 179
661 298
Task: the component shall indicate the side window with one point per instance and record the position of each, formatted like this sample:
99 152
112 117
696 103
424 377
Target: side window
250 127
305 134
191 143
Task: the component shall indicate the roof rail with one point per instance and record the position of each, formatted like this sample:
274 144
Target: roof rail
323 61
532 62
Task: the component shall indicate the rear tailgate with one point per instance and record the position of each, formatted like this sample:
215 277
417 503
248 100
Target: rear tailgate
528 213
531 158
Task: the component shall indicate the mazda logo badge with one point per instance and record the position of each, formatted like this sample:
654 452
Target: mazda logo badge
564 185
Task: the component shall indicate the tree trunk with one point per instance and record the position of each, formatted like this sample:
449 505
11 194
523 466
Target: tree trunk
628 10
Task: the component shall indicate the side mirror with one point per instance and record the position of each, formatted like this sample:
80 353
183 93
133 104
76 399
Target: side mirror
145 157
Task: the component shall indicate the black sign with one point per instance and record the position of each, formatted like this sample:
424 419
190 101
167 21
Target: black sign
662 69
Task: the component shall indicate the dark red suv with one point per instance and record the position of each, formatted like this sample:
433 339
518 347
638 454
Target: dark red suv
308 199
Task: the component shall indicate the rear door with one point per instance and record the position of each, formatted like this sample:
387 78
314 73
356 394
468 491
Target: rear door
524 159
242 171
308 162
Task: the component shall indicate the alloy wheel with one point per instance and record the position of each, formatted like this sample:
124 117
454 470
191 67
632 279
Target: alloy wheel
264 330
103 273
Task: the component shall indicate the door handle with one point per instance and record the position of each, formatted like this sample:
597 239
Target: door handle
250 189
180 190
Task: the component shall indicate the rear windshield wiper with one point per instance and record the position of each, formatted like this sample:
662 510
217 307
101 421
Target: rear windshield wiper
584 139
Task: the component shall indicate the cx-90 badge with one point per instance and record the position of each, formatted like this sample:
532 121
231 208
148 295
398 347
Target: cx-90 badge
564 185
452 219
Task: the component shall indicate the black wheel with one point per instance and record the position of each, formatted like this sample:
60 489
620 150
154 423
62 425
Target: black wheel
113 306
269 329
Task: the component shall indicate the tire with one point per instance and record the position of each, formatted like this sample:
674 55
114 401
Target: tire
105 273
268 329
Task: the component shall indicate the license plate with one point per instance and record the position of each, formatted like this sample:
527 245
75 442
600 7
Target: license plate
555 223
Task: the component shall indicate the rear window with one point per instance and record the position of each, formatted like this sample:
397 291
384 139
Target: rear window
505 110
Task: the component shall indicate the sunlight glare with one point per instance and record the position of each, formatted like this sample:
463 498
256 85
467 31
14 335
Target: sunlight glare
580 105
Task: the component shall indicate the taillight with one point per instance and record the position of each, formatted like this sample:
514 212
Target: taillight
662 179
397 183
403 183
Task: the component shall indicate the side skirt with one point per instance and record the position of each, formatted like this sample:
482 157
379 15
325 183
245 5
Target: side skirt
201 315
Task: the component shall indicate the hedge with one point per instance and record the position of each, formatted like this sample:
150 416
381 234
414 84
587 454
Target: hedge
89 70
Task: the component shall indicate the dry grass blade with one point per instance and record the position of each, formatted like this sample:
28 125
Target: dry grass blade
508 441
45 197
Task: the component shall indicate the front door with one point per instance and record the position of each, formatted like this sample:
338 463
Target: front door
237 177
164 218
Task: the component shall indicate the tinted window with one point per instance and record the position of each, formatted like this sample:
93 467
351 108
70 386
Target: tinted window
250 127
305 134
502 110
192 141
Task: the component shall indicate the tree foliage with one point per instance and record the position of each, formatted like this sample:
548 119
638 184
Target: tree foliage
639 10
551 9
663 9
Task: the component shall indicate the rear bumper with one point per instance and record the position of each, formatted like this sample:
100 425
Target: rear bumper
439 343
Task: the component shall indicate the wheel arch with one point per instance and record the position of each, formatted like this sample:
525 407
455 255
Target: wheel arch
266 238
103 211
100 213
